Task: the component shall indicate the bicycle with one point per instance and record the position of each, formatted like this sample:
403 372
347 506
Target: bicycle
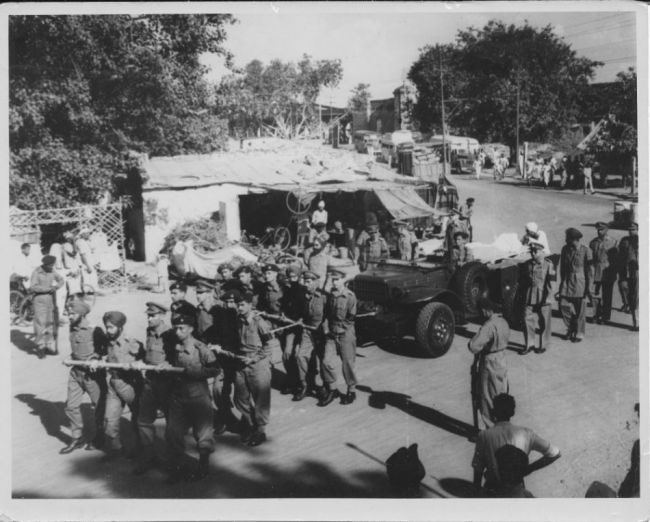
21 307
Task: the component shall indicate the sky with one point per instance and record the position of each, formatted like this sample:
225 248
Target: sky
378 47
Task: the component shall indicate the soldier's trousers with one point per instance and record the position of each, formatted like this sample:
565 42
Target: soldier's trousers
44 317
193 412
120 393
538 317
603 292
345 344
81 381
154 396
253 393
289 342
222 389
316 345
574 312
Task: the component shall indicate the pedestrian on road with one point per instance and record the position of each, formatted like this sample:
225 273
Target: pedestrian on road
604 252
477 167
587 176
154 396
489 345
538 275
84 380
504 433
628 272
575 284
340 313
124 385
190 405
253 373
43 284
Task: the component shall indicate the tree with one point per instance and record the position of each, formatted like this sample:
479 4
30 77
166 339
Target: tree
86 90
360 98
485 68
279 97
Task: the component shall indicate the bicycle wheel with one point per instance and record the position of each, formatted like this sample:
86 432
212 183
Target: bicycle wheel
282 237
298 202
88 295
16 298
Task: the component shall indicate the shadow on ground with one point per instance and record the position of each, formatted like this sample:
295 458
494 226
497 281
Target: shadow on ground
23 341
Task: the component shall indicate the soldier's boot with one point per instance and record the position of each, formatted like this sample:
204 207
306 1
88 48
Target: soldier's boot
300 394
349 397
203 467
73 445
258 437
245 430
327 397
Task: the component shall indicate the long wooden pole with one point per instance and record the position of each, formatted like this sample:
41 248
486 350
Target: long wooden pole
442 112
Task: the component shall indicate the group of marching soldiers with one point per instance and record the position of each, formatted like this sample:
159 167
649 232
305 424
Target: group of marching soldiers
216 354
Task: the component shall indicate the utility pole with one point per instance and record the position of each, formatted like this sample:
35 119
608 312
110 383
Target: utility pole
517 132
442 109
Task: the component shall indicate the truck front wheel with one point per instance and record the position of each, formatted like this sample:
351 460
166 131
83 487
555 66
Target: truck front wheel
434 329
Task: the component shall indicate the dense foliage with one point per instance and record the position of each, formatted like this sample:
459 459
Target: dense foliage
86 91
360 96
483 71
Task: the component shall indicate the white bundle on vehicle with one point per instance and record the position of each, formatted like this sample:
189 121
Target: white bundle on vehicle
504 245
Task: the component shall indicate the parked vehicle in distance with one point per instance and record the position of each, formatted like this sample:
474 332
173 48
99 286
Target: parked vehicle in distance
463 151
390 143
364 140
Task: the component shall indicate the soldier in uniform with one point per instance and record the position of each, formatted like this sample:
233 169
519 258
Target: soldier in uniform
123 385
340 313
374 249
312 342
604 252
291 307
538 275
205 311
271 293
83 380
575 284
489 345
628 271
228 281
253 372
155 389
247 283
180 304
190 403
43 284
318 260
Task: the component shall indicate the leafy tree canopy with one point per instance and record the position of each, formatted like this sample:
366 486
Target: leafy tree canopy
484 69
360 97
279 97
85 90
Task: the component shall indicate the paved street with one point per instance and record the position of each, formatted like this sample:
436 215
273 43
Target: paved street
579 396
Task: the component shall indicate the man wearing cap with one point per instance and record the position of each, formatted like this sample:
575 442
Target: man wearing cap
83 380
247 284
291 308
155 388
489 344
575 284
604 252
340 313
253 372
123 385
190 404
180 304
205 311
628 272
459 254
270 299
537 277
226 280
43 284
533 233
374 249
312 342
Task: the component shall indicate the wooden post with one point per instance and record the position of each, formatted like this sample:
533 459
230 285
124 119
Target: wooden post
633 187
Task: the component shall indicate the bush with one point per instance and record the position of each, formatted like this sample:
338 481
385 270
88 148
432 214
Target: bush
208 234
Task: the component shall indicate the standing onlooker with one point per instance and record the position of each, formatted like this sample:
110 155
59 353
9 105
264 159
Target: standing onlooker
44 283
320 214
562 170
477 167
604 253
587 176
87 259
489 345
575 284
374 249
628 271
504 433
537 277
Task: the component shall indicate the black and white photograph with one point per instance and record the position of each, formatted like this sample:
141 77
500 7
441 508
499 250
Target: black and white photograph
325 255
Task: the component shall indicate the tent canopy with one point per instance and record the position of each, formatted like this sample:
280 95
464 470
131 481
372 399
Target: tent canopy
404 203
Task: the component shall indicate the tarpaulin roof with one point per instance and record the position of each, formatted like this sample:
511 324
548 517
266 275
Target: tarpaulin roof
404 203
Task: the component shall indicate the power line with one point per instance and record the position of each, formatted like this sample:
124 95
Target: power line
596 20
601 29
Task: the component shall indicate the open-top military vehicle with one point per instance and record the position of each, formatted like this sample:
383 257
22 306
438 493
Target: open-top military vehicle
427 299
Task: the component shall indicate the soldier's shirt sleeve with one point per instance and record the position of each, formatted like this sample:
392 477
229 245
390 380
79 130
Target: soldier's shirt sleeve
483 337
542 446
35 283
352 307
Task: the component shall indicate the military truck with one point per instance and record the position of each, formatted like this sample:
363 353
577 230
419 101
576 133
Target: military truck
427 299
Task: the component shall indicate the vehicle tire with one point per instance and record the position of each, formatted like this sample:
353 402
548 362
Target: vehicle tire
513 308
282 238
16 299
434 329
470 284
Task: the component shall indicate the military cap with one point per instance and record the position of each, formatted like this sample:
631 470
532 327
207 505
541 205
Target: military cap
246 296
155 308
461 233
178 285
183 308
633 226
600 225
373 228
336 273
573 233
48 260
78 306
231 295
114 317
244 269
181 319
224 266
293 270
309 275
204 286
270 267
